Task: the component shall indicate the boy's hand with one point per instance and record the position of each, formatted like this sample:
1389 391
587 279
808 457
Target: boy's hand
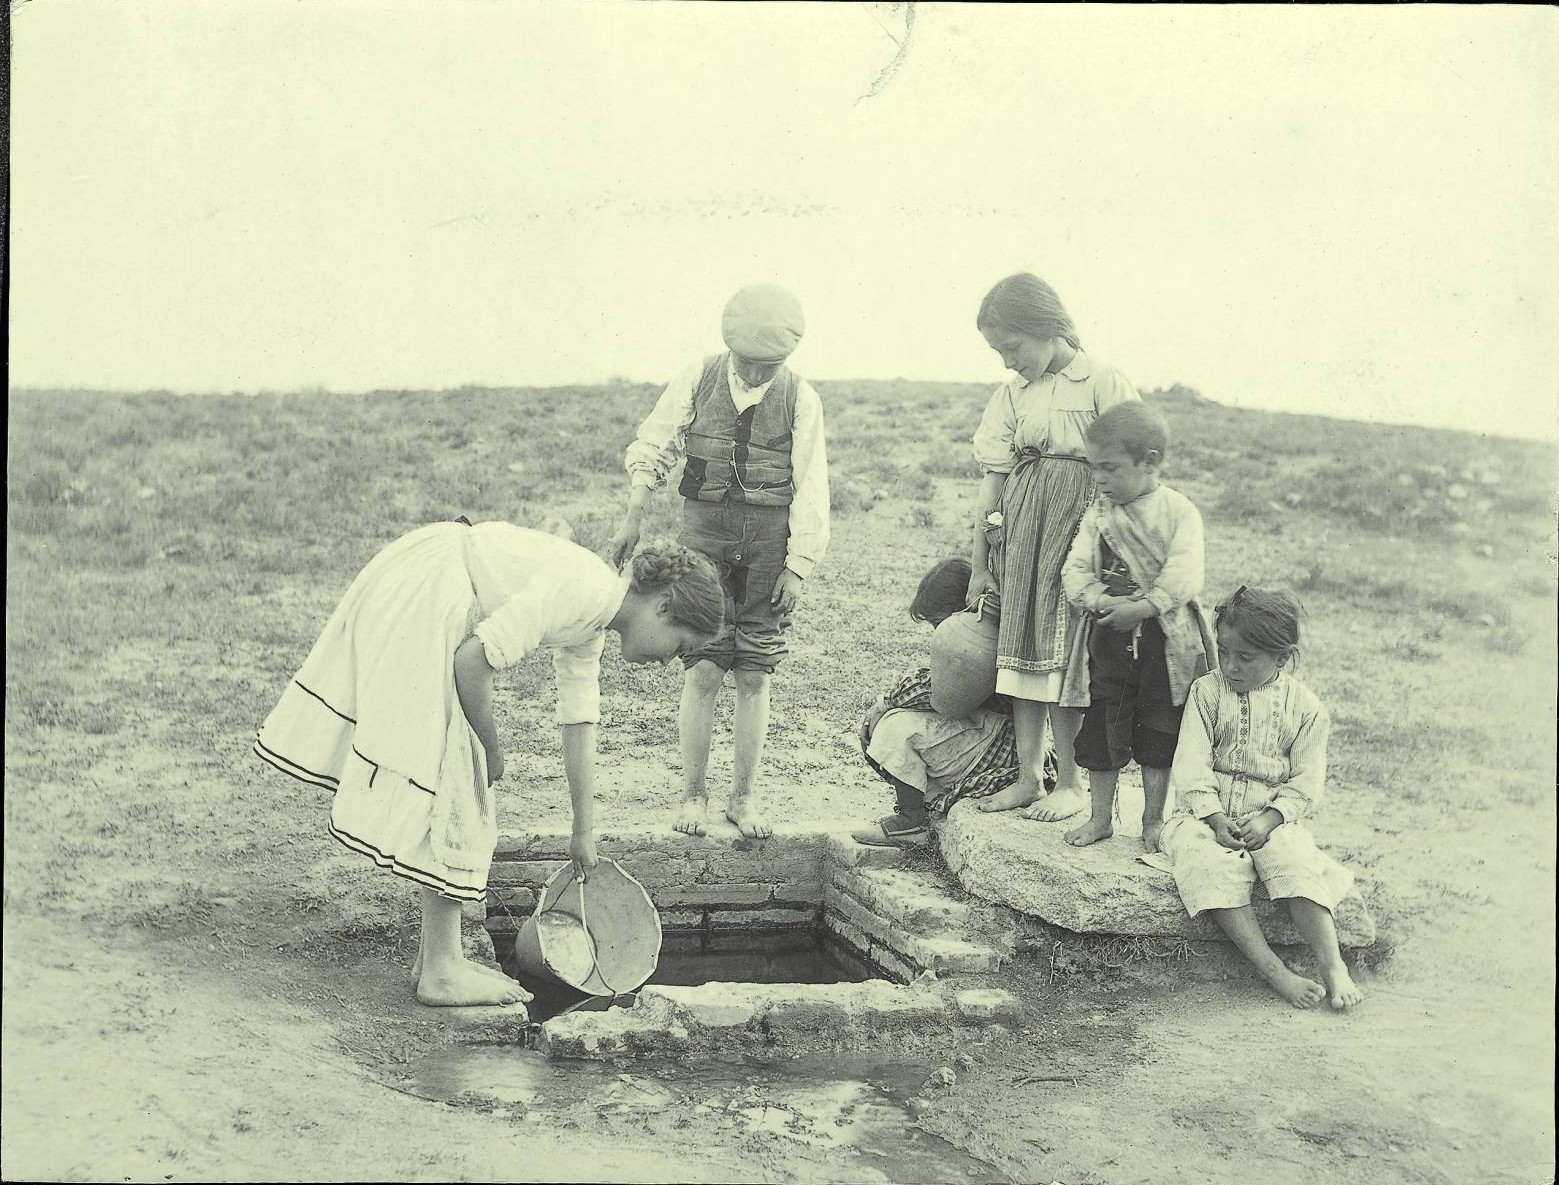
787 591
623 543
1254 831
1126 614
1227 831
494 765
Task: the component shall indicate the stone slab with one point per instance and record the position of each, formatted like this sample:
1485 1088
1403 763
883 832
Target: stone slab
1101 889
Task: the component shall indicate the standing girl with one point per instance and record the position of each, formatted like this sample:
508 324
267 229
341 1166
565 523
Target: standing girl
1250 765
1036 485
392 710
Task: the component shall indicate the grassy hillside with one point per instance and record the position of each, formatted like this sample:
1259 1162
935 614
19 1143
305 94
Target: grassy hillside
172 558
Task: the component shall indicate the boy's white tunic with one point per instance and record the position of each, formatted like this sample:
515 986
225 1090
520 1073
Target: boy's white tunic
373 713
1241 753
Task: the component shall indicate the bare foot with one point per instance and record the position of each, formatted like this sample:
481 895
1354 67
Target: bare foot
1090 832
1020 793
466 985
416 974
1296 989
1339 984
748 818
1061 803
1151 830
690 819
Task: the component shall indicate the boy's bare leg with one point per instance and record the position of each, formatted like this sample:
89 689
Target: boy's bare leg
445 977
1028 725
1315 926
1245 932
695 726
1155 793
1101 797
752 728
1067 799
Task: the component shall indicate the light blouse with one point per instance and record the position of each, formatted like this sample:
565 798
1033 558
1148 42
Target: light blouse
1241 753
541 591
1050 414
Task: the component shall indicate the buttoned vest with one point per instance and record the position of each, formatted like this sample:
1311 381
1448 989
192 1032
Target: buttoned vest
741 457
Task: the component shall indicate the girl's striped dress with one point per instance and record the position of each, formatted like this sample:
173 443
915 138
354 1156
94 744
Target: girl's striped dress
1033 432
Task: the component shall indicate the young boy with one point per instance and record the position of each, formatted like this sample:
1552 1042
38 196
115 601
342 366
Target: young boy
1136 568
755 490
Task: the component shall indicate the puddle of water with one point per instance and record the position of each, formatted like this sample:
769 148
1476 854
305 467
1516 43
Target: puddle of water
854 1108
690 958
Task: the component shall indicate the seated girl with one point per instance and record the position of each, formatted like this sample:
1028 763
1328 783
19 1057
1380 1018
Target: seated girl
1250 765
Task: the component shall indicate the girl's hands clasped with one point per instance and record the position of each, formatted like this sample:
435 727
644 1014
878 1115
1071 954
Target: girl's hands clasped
1227 831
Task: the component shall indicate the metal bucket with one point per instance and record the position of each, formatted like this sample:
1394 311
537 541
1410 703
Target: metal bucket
600 936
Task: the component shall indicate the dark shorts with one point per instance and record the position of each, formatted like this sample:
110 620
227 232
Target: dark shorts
1131 711
747 545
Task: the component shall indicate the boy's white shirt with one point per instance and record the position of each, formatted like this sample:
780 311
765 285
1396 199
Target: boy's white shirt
662 441
1170 522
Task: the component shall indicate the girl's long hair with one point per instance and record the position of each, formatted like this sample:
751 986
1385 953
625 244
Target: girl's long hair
696 597
1023 303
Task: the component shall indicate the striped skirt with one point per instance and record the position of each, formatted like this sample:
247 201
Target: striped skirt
373 716
1042 646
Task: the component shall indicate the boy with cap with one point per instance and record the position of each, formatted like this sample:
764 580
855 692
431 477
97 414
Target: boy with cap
755 500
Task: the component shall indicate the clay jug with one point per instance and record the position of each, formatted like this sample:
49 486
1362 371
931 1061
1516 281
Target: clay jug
963 662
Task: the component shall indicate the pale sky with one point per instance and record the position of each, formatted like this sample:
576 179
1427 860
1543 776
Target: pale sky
1335 209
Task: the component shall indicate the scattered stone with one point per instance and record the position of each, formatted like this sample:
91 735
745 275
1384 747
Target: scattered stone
1456 492
942 1077
1485 550
987 1004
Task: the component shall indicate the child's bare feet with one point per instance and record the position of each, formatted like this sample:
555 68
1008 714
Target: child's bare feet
465 985
1061 803
1020 793
1340 986
1151 829
1090 832
690 818
416 974
749 820
1296 989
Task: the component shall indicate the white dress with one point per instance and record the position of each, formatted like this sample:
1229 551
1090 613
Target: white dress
373 713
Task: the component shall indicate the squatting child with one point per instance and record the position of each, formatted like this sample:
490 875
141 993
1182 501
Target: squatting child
755 501
1250 767
930 759
1136 568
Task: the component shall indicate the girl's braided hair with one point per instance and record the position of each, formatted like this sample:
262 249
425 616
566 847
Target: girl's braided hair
1267 618
696 597
1026 304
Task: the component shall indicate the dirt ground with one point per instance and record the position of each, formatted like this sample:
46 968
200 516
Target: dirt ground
244 1048
200 985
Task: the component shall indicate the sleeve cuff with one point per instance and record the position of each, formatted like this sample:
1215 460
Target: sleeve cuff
1289 806
1203 803
800 565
